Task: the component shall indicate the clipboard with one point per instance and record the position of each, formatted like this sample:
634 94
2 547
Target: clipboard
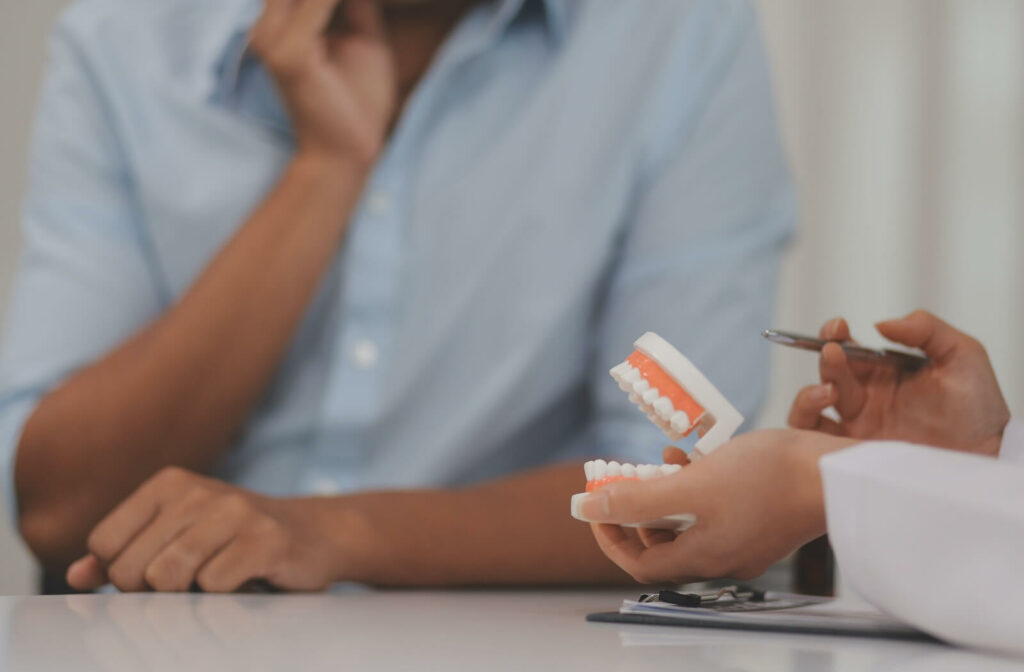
740 608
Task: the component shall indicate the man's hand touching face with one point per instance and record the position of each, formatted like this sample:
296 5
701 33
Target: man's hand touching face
335 71
180 529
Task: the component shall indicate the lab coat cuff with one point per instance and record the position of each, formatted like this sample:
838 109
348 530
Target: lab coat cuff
1012 448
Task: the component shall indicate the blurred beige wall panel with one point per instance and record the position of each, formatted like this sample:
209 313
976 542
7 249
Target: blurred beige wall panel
23 32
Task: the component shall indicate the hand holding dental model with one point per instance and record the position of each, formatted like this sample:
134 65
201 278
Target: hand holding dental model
902 518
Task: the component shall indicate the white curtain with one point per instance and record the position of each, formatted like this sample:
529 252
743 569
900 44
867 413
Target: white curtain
905 125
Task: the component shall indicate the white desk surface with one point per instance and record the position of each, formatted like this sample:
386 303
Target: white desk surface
453 631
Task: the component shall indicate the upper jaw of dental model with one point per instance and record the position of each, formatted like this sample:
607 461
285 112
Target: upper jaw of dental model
662 399
675 395
600 473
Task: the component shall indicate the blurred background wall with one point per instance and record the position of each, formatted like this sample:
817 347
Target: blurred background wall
905 125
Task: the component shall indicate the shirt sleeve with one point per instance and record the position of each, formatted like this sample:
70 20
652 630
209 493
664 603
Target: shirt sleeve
84 281
1012 448
933 537
700 253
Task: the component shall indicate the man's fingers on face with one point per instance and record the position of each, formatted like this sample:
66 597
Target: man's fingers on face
850 392
310 20
363 16
268 29
808 405
87 573
175 567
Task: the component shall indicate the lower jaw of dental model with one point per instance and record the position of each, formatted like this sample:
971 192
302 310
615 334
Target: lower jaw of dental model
601 474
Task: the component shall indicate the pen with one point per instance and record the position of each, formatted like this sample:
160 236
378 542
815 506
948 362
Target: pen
902 360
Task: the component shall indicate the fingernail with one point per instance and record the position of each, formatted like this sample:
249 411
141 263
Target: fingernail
596 506
833 325
822 392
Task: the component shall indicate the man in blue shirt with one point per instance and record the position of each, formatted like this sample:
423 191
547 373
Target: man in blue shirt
366 269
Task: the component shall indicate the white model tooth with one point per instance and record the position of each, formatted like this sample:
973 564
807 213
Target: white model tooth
651 396
664 408
625 387
631 376
599 468
669 469
680 421
635 398
620 370
673 435
614 469
647 471
628 470
641 387
588 470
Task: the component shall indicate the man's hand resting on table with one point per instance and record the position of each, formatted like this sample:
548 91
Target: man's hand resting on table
756 498
180 529
954 402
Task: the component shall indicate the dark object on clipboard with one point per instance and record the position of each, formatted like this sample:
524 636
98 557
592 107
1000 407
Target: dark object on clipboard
745 608
738 595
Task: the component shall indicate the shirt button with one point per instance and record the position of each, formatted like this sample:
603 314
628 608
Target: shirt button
380 204
365 354
325 487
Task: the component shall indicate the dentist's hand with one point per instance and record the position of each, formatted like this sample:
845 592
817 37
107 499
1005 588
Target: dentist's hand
954 402
336 73
757 498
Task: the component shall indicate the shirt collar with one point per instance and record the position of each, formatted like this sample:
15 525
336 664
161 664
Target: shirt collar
235 58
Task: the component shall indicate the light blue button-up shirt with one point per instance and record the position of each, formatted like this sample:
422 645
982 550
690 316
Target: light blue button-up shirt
568 175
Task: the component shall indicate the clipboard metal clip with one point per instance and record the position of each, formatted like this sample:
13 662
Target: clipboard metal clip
731 594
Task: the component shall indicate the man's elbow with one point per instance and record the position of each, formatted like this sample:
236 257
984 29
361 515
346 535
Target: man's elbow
51 536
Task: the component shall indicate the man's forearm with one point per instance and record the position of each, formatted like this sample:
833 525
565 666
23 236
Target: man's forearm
516 531
177 392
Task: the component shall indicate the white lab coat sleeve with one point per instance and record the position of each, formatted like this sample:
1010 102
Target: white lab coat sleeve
933 537
1012 448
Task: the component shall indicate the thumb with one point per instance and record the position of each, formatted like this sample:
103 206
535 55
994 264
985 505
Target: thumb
636 501
923 330
86 574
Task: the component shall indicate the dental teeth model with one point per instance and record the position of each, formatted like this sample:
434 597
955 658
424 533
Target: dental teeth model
600 473
677 398
675 395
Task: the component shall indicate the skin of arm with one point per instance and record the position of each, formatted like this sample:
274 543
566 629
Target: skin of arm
176 393
181 530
